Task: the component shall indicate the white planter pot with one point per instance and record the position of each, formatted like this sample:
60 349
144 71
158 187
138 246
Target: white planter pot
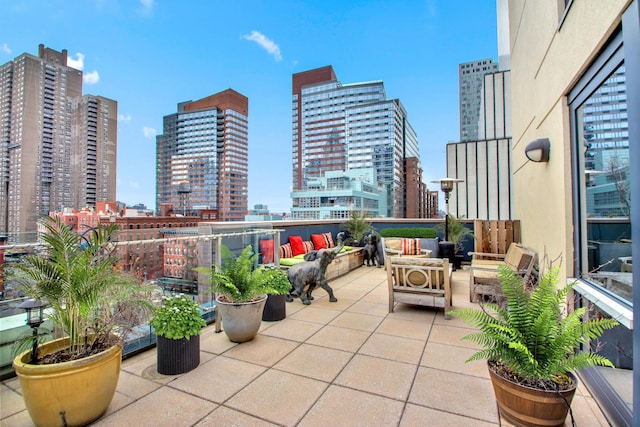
241 320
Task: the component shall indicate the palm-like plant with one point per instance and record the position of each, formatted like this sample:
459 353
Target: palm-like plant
86 296
357 226
238 281
531 335
457 232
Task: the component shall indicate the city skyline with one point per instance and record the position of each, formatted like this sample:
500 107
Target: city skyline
149 56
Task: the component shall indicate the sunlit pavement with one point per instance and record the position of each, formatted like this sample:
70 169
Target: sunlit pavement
348 363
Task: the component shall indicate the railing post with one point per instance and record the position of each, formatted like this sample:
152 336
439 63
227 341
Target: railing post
2 240
218 263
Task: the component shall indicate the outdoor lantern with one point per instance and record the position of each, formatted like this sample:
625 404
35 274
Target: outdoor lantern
538 150
35 311
35 317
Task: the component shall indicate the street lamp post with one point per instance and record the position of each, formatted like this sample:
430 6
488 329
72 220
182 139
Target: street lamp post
446 186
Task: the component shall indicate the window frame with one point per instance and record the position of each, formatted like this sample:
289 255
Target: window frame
622 48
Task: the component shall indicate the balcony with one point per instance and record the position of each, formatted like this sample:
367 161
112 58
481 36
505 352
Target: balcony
344 363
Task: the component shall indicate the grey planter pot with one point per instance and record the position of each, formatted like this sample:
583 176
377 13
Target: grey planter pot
241 320
178 356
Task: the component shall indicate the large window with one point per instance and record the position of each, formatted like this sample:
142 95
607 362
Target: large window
602 206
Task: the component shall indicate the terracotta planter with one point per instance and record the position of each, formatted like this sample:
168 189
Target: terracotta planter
275 308
241 320
178 356
526 406
69 393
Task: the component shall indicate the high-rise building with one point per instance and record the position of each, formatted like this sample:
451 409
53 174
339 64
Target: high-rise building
471 80
39 152
338 127
416 191
202 157
94 136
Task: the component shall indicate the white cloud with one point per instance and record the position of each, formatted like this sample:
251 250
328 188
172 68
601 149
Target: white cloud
134 184
265 43
4 48
147 7
124 117
91 78
78 63
149 132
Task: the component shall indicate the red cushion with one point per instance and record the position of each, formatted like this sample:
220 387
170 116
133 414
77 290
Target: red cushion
266 249
319 241
296 245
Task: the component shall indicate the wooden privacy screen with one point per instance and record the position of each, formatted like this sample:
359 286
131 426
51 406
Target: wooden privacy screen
495 236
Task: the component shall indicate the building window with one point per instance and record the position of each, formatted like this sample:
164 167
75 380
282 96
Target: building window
602 207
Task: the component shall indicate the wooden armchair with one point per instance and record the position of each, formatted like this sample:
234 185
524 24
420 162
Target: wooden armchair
419 281
483 273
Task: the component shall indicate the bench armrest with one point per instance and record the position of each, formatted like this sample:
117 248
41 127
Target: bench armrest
487 255
392 252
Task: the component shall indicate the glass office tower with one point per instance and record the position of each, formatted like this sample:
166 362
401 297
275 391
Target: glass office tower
339 127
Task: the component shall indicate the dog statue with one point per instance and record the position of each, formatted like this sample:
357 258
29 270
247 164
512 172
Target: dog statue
311 273
370 251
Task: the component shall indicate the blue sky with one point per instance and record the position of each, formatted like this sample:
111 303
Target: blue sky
149 55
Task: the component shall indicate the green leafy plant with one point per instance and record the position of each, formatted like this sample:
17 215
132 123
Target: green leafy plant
458 232
85 294
531 335
178 317
357 226
238 281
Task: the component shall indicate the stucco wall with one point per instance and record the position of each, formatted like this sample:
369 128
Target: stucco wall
546 61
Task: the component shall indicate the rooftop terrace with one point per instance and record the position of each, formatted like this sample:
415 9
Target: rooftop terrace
346 363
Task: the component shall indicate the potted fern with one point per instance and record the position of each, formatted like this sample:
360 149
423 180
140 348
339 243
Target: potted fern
531 345
92 306
177 323
242 291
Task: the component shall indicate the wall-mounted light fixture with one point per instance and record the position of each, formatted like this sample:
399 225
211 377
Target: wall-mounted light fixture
538 150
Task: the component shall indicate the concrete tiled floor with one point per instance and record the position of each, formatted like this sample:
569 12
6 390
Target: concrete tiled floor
349 363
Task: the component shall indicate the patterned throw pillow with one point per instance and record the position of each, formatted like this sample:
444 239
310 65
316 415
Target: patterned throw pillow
329 240
308 246
411 246
285 251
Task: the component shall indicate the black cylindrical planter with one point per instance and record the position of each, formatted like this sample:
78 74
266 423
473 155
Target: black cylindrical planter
447 250
178 356
275 308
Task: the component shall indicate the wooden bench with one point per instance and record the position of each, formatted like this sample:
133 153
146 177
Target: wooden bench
483 273
419 281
